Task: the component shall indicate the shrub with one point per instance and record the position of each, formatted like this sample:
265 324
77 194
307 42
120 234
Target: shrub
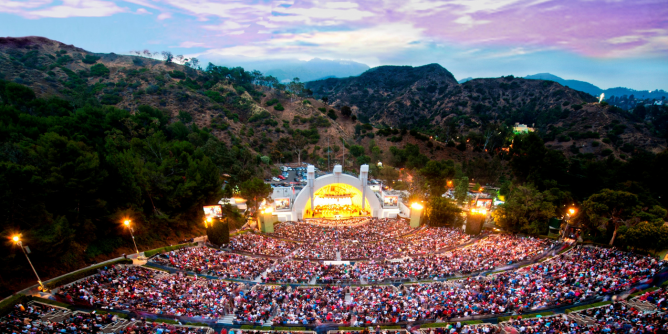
584 307
323 109
332 114
64 59
462 146
99 70
218 232
271 102
526 316
110 99
177 74
576 107
166 249
7 305
279 107
628 147
563 138
346 111
595 144
259 116
305 102
606 152
90 59
212 94
353 118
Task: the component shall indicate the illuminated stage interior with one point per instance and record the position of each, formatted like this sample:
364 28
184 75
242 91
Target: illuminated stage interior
337 200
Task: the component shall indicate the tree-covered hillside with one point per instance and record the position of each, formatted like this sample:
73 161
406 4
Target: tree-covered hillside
70 174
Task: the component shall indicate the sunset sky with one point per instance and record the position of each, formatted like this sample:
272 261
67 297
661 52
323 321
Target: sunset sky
608 43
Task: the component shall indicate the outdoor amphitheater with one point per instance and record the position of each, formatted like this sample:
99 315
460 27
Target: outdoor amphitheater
363 273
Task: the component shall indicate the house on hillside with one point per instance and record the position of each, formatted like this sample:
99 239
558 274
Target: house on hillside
522 128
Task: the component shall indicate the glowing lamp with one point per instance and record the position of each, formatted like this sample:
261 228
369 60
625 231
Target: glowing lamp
16 238
417 206
126 222
571 211
268 210
416 214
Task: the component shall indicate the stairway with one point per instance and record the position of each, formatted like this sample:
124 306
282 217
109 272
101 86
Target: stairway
228 319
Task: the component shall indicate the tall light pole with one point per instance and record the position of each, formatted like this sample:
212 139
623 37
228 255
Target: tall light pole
569 215
127 224
17 240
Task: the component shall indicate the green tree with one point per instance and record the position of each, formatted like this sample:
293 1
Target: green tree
363 159
185 117
461 189
526 210
254 191
441 211
356 150
436 174
218 232
296 87
346 111
99 70
388 175
532 162
297 144
611 208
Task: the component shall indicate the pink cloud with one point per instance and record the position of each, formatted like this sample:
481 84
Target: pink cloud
72 8
594 28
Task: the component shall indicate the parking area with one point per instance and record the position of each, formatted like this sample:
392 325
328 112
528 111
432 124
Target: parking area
289 178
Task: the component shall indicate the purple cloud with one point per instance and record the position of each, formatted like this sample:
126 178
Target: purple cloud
370 29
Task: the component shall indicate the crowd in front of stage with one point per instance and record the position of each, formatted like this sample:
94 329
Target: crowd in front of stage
565 279
574 276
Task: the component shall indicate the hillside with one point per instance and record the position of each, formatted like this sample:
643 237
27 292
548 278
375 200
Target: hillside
426 98
429 99
235 111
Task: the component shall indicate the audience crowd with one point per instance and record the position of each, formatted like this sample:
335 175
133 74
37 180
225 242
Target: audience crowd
360 229
567 278
554 324
141 289
490 253
261 244
658 298
622 318
209 261
292 272
460 328
28 319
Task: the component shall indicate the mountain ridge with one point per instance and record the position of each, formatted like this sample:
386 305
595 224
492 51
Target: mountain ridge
596 91
430 100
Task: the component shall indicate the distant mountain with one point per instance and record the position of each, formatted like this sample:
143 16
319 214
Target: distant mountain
575 84
386 93
464 80
429 99
287 69
586 87
430 95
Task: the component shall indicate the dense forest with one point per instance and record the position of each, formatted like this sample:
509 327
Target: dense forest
69 176
617 202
